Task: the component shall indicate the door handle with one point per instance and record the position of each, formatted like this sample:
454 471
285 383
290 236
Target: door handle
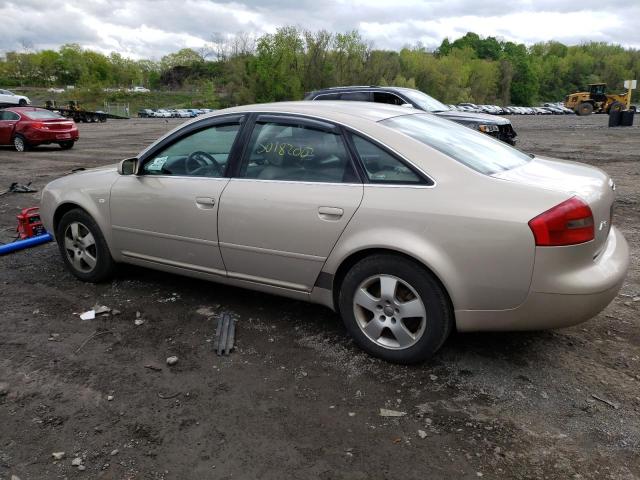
206 201
330 213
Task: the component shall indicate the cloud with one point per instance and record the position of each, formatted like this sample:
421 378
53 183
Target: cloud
153 28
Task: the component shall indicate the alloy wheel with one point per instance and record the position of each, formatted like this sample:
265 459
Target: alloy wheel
80 246
18 142
389 312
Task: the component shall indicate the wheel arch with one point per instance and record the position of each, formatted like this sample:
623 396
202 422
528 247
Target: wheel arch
62 209
348 262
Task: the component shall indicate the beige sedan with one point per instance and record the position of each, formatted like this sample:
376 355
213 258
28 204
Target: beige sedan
406 224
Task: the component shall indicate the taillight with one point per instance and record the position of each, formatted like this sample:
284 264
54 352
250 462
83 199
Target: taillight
39 126
569 223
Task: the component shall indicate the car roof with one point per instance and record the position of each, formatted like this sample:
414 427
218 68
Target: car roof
333 110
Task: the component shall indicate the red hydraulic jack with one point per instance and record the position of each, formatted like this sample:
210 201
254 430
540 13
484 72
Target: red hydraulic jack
30 231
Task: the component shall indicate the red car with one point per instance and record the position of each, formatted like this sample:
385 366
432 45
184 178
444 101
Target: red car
25 127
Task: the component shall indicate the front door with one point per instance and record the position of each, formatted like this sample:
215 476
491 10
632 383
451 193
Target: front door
288 203
168 213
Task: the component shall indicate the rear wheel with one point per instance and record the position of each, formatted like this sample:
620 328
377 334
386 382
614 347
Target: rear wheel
20 143
585 108
83 247
66 145
395 309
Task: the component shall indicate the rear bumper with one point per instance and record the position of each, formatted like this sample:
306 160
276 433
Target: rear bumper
37 137
578 296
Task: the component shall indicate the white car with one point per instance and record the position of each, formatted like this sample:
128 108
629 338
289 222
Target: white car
163 113
10 98
139 90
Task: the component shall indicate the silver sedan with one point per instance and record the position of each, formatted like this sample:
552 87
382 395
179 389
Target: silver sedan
406 224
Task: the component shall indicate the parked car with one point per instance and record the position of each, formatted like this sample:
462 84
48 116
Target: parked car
139 90
8 98
162 113
25 127
500 128
294 199
146 113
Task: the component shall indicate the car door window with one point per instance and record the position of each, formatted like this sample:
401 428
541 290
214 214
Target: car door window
356 96
204 153
385 97
4 115
296 153
382 167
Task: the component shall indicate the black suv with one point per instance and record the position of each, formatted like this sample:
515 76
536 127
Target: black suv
498 127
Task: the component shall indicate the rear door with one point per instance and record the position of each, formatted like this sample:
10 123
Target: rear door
288 202
8 122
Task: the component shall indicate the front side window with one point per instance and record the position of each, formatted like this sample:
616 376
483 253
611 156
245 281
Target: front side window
475 150
204 153
382 167
296 153
385 97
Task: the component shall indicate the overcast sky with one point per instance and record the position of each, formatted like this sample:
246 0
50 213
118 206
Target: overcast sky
152 28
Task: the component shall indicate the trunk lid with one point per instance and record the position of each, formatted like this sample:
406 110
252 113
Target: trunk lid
58 124
589 183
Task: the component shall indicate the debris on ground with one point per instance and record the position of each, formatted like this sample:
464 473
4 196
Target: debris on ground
153 367
422 434
101 309
114 452
138 321
225 335
88 315
57 455
384 412
172 360
110 398
76 461
605 401
16 187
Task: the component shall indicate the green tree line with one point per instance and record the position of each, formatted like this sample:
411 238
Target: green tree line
286 64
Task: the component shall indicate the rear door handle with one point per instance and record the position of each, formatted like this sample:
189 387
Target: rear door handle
206 201
330 213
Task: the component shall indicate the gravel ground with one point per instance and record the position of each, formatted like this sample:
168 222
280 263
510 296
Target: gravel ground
297 399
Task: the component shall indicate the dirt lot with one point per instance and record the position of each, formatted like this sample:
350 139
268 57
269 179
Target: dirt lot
297 399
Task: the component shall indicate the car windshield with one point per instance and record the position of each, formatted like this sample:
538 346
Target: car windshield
475 150
42 115
424 101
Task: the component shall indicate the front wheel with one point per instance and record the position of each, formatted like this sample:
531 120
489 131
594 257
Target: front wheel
395 309
584 109
83 247
22 102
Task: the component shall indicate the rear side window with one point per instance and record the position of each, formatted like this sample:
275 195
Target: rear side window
382 167
475 150
5 115
356 96
292 152
328 96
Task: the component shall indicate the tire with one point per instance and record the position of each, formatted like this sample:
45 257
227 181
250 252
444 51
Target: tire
66 145
393 337
22 102
88 258
615 107
20 143
585 108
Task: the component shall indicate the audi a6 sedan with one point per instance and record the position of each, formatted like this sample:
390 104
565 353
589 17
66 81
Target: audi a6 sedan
406 224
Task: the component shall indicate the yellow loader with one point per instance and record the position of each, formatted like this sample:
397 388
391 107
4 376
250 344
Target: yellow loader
596 100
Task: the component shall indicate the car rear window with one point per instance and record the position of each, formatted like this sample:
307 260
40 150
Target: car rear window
475 150
42 114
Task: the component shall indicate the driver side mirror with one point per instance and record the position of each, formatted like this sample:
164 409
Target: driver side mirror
128 166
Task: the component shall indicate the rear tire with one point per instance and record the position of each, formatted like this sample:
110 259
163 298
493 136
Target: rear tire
395 309
584 109
83 247
66 145
20 143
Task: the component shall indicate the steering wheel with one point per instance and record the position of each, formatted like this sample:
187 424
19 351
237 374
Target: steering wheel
198 162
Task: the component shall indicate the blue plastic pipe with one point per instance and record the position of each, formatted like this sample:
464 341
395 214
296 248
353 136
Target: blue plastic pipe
26 243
